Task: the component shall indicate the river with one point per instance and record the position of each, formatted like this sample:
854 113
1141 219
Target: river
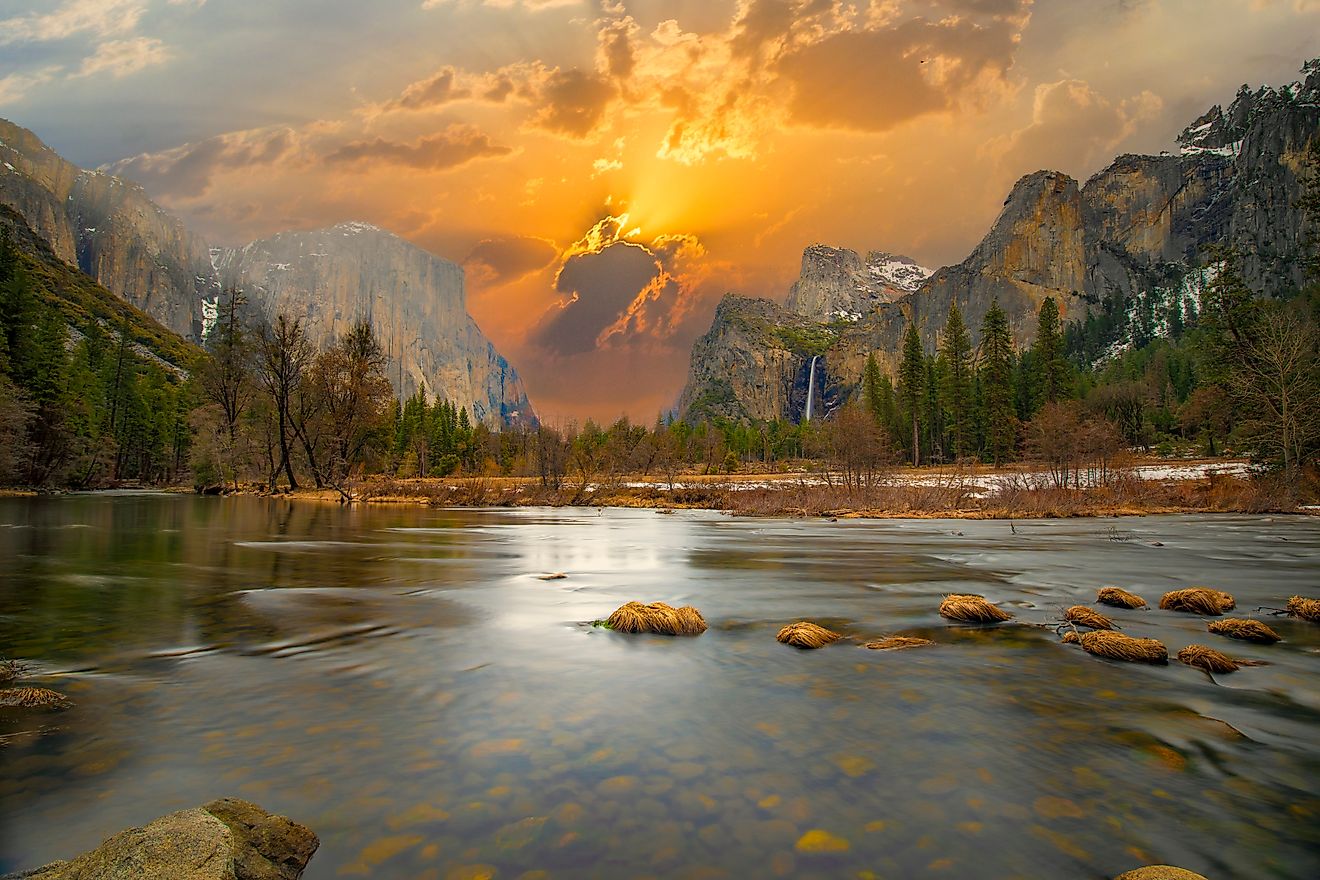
402 681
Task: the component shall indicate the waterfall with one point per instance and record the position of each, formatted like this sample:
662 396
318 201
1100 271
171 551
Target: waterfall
811 386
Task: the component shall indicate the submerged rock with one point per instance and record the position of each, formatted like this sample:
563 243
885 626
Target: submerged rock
227 839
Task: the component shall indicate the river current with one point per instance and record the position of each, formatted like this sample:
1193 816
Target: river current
403 681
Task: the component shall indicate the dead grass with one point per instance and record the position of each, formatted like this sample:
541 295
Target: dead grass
1083 616
805 634
1210 660
966 608
1119 598
1116 646
10 670
1246 630
898 643
1306 609
33 698
657 617
1198 600
951 495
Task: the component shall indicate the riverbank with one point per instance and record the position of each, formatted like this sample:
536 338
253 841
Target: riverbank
1145 488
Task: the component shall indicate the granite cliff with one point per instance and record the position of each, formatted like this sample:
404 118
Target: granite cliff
1132 241
111 230
331 278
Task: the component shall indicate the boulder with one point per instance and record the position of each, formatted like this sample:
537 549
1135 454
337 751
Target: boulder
227 839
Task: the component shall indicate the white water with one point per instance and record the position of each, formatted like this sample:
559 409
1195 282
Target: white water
811 386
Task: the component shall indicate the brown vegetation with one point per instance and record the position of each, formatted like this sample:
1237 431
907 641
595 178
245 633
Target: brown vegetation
1210 660
1306 609
11 670
1119 598
657 617
1246 630
1116 646
33 698
1198 600
897 643
805 634
1083 616
972 609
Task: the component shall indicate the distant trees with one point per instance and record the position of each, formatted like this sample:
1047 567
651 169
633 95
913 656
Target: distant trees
955 383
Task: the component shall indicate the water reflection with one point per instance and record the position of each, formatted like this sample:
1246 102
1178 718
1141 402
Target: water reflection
402 681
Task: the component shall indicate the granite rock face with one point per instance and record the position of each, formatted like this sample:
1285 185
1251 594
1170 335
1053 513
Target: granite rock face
227 839
112 231
331 278
1133 240
109 229
837 284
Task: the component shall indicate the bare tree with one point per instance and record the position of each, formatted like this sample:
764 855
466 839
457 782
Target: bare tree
355 394
283 356
858 446
226 376
1278 382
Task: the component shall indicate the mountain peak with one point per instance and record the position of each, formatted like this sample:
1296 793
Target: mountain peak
838 284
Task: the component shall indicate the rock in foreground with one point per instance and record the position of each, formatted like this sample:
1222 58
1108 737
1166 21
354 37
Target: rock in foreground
227 839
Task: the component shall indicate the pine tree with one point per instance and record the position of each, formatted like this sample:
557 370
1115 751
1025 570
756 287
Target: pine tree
956 381
872 396
912 387
1049 374
996 375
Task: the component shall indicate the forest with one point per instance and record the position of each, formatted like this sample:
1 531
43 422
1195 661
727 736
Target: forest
85 403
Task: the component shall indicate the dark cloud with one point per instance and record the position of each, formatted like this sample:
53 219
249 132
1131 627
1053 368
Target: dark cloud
573 102
601 286
617 48
499 90
874 80
433 91
501 260
186 172
453 147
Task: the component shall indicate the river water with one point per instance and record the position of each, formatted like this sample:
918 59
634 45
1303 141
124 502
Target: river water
400 680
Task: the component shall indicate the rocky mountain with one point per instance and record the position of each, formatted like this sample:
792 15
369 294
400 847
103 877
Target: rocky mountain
837 284
108 228
1132 242
112 231
330 278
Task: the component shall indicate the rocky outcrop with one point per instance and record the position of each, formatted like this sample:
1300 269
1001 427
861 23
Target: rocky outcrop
108 228
113 232
836 284
227 839
1132 241
332 278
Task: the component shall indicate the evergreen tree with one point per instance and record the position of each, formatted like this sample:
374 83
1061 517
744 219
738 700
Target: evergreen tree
996 378
956 382
912 387
872 396
1049 374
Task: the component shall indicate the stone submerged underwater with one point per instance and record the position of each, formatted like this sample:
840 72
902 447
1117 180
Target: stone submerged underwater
226 839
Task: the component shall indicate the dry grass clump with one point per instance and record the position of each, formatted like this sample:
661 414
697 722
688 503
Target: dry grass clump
805 634
657 617
1083 616
1211 660
897 643
1198 600
33 698
12 669
1306 609
1119 598
1246 630
1116 646
967 608
1071 637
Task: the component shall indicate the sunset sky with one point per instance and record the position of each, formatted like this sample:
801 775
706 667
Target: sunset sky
606 170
